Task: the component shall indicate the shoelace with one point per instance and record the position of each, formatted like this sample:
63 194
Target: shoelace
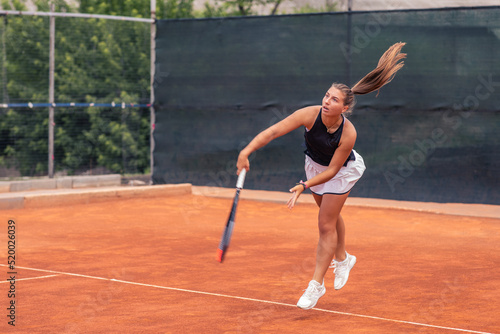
312 290
339 267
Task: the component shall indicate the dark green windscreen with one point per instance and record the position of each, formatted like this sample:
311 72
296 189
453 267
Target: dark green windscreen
432 134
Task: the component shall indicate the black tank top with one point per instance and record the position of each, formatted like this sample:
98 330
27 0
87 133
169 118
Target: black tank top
321 145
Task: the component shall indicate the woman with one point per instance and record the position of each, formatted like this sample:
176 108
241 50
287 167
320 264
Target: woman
332 166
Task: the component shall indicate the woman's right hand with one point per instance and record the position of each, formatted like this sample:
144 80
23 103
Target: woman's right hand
242 162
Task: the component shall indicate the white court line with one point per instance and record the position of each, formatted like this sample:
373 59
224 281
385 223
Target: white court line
60 272
254 300
25 279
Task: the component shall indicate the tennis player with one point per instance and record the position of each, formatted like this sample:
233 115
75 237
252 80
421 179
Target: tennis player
332 166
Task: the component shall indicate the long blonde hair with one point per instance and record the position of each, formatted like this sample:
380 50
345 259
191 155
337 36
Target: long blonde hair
385 71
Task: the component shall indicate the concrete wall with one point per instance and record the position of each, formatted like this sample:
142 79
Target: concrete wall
60 197
66 182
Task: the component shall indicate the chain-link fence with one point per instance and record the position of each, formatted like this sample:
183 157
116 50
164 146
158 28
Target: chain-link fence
101 96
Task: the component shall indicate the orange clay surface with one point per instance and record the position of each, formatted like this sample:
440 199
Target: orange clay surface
148 266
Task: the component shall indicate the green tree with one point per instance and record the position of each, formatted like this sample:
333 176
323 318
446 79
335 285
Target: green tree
166 9
96 61
13 5
23 143
134 8
175 9
238 7
330 6
108 63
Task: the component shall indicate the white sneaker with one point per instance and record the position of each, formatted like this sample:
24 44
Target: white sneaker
342 270
313 292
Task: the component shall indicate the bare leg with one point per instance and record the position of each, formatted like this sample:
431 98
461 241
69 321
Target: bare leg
318 199
328 220
340 251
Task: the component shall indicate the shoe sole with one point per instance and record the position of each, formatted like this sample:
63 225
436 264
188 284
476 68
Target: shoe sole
347 274
310 307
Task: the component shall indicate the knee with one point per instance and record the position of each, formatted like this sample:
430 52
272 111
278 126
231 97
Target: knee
327 226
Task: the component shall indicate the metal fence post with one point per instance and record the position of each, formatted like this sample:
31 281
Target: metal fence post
5 96
51 90
152 93
349 38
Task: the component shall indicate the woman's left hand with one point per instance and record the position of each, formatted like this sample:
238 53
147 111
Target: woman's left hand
297 190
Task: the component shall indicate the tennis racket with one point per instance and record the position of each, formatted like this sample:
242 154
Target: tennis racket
228 231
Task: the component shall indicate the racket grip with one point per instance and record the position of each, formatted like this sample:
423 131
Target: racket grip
241 179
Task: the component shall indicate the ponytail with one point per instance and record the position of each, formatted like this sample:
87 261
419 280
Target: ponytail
384 72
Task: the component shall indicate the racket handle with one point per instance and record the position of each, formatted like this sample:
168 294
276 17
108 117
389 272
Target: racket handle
241 179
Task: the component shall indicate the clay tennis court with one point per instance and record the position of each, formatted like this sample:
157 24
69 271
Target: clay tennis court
148 266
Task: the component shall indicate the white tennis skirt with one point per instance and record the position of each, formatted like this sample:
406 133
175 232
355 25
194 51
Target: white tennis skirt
341 183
